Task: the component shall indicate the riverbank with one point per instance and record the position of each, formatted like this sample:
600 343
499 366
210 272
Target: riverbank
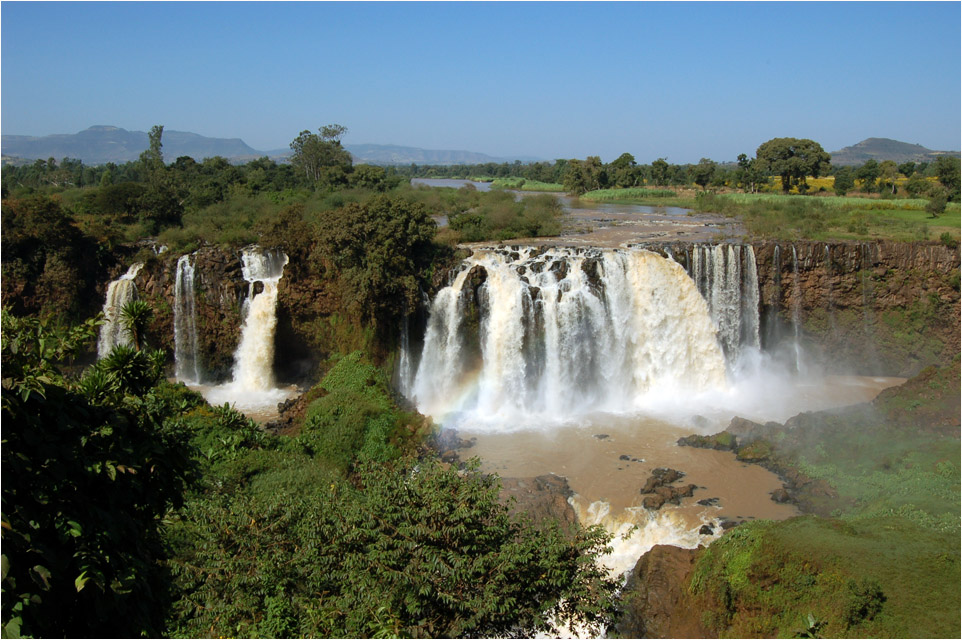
880 482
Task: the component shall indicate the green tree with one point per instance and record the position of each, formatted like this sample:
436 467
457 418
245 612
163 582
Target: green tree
379 249
868 174
623 171
320 157
703 172
917 185
844 181
888 172
793 160
659 172
947 170
937 202
907 169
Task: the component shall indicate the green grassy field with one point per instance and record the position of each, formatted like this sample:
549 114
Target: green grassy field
795 217
887 564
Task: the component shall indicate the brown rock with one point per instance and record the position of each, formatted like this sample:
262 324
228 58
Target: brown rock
655 601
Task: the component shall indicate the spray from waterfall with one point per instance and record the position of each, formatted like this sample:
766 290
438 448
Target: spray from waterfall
186 351
551 334
119 292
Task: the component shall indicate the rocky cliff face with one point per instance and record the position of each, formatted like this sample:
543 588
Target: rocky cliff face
881 308
867 308
219 289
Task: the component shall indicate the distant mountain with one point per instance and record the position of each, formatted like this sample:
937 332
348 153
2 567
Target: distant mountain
101 144
882 149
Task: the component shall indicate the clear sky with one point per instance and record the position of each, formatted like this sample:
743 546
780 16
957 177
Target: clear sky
681 80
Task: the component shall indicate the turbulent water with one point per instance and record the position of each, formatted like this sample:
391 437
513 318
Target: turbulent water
253 385
119 292
186 352
556 333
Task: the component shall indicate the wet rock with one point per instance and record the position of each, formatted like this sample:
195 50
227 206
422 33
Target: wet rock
560 269
781 496
660 477
706 530
653 503
624 457
708 502
655 601
542 498
593 272
723 441
601 436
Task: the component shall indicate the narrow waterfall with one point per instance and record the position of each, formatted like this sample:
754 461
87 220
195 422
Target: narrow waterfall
727 277
186 352
254 358
562 332
796 312
119 292
405 370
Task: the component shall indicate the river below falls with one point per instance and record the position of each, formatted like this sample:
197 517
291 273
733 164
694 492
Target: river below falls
607 459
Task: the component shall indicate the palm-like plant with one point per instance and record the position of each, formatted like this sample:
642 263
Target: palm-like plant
135 316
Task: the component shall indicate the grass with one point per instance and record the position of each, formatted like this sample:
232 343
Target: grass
791 217
832 218
522 184
888 564
621 195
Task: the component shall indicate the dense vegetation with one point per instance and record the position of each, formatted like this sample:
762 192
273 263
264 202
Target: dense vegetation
132 507
885 478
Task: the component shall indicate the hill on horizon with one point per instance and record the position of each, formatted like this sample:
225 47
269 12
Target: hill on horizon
881 149
101 144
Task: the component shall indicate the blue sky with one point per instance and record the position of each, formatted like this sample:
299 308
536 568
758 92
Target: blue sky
551 80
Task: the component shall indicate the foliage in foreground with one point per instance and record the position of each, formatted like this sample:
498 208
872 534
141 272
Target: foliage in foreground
411 549
89 469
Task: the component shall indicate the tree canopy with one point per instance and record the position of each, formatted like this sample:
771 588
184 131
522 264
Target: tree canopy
793 159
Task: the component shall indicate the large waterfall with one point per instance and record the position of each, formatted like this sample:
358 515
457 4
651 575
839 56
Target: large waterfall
254 358
253 385
119 292
187 363
549 334
727 277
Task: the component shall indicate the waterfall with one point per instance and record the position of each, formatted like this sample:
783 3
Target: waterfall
119 292
254 358
186 352
405 370
796 311
727 278
561 332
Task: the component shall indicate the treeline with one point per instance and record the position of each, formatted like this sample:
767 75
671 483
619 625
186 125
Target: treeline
782 162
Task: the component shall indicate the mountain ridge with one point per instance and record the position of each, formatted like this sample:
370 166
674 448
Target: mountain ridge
100 144
881 149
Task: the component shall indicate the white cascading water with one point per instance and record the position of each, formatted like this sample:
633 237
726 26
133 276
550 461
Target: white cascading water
727 277
119 292
565 332
253 384
186 351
